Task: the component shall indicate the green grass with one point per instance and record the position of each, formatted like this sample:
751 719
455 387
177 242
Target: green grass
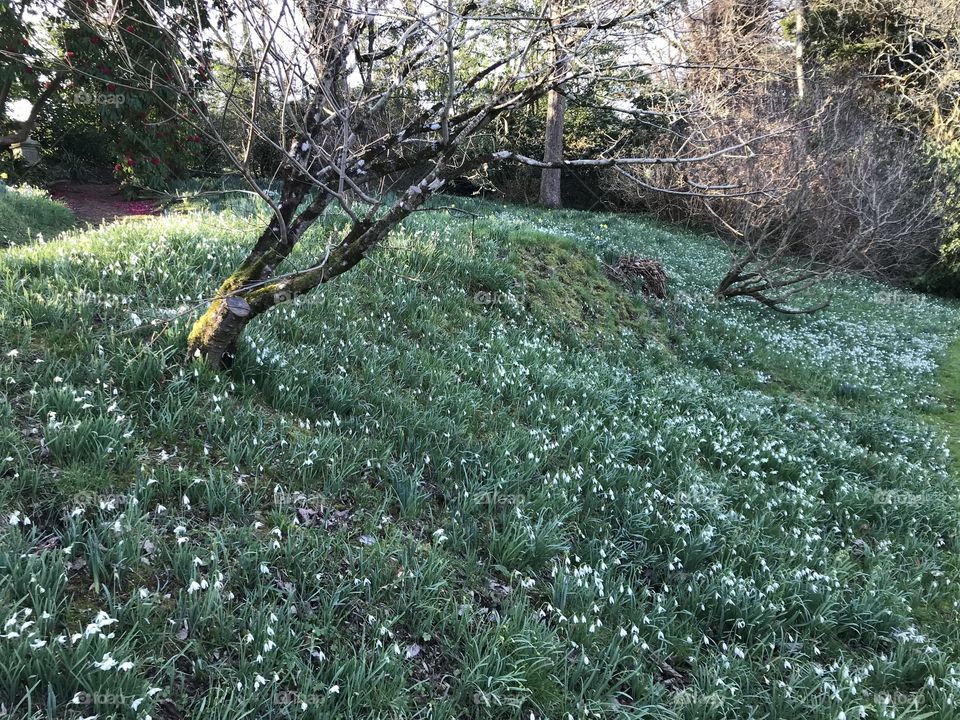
947 412
472 478
28 214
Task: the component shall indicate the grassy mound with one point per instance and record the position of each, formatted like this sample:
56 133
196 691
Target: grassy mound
27 214
471 478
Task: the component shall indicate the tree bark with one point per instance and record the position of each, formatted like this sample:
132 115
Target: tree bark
214 336
550 180
799 48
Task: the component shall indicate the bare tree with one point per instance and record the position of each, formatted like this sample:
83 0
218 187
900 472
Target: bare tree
371 92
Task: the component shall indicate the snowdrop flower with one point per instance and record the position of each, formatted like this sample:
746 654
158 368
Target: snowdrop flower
106 663
334 690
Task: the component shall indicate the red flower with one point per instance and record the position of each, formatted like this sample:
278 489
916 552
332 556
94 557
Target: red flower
155 161
130 161
69 53
129 28
111 87
95 40
117 168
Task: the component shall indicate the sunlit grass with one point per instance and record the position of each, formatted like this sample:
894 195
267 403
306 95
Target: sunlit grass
472 478
28 214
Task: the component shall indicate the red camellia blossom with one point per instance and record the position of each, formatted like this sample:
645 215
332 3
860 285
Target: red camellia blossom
69 53
111 87
117 168
95 40
155 161
129 28
130 161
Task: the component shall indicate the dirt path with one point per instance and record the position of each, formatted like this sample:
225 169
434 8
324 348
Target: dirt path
95 203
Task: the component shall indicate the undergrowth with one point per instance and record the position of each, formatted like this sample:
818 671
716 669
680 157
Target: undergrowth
472 478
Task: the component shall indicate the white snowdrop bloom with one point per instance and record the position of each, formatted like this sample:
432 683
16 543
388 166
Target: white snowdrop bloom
153 691
194 587
13 353
14 518
106 663
259 681
135 705
334 690
37 644
125 666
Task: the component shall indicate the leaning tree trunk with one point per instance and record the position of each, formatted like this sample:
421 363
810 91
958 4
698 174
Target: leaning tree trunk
214 335
255 287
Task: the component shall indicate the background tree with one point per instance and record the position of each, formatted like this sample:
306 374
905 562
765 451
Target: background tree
20 75
63 64
556 109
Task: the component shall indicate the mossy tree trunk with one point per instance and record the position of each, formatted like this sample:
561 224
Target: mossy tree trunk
255 286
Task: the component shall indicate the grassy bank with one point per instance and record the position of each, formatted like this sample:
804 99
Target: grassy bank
472 478
28 214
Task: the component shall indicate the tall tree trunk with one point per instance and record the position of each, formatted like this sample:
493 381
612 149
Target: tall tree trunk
550 186
799 48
